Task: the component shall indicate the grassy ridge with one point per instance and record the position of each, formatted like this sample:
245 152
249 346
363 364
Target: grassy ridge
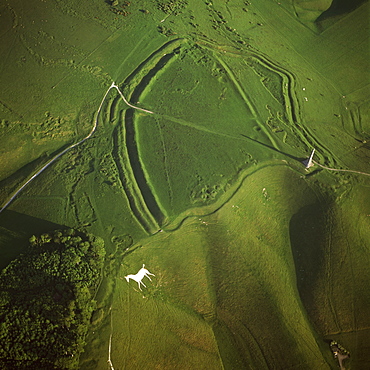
331 252
233 270
251 273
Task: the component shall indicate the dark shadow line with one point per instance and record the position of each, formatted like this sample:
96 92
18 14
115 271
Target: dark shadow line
135 161
129 78
299 159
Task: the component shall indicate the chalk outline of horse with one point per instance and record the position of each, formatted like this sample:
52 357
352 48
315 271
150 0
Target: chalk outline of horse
143 272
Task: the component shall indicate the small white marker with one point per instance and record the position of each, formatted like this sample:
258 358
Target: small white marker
308 162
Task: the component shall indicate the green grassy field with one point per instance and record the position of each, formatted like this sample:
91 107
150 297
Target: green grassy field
258 262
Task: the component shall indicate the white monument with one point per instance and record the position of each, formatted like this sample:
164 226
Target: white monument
140 276
308 162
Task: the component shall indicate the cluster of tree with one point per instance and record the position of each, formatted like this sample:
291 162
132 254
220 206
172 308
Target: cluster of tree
46 300
172 6
337 348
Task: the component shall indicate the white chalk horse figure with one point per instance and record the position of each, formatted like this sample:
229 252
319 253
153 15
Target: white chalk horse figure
140 276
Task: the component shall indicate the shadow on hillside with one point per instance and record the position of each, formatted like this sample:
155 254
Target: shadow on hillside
340 7
308 234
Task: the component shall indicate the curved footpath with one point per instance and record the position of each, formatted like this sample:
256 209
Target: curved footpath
52 160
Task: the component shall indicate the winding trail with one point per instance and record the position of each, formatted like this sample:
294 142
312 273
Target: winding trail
124 99
88 136
110 341
341 170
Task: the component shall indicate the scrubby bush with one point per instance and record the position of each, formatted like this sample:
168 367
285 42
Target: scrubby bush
46 300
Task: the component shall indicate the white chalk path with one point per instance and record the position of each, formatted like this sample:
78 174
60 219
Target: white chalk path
341 170
110 341
114 86
52 160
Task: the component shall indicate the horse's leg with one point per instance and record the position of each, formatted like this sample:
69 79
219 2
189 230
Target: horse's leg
140 282
148 277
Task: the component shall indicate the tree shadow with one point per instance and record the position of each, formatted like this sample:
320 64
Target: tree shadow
15 230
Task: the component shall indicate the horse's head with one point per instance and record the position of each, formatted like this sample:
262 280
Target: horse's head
127 278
